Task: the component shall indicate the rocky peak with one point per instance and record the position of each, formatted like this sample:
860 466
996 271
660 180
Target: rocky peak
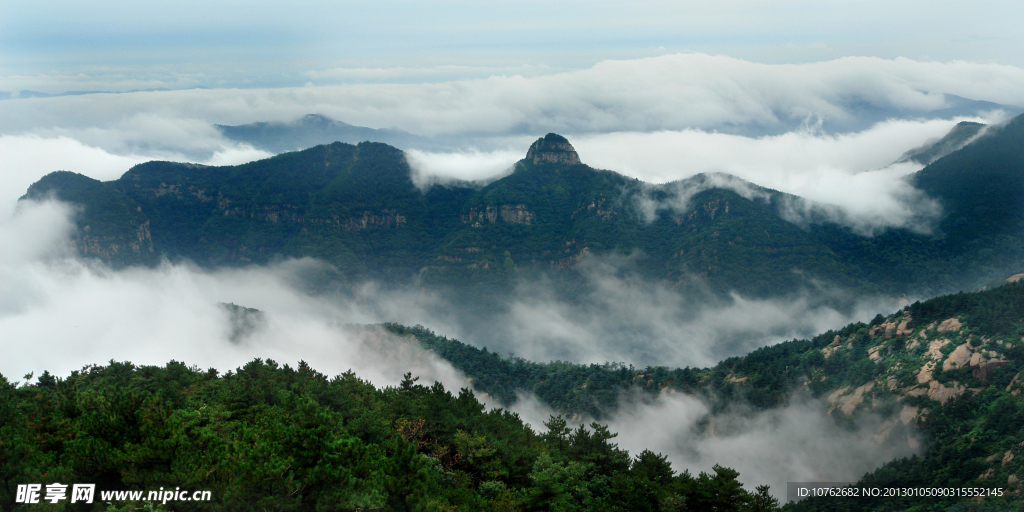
552 148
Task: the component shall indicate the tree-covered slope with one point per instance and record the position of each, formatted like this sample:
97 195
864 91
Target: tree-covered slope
952 367
980 186
979 233
110 224
267 437
957 138
284 438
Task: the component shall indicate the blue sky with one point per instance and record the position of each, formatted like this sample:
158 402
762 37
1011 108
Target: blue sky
61 45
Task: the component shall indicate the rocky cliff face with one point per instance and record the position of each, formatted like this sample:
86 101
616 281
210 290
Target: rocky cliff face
510 213
388 218
910 371
554 149
114 247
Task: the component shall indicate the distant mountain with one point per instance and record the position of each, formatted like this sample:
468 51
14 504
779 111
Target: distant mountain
313 130
862 116
357 208
958 137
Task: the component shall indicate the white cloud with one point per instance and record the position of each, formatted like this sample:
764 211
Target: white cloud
797 442
236 155
679 193
26 158
429 168
625 318
669 92
60 314
848 178
851 176
683 97
660 131
632 320
791 162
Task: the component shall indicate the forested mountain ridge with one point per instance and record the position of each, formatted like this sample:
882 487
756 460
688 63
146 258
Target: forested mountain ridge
357 208
980 232
911 355
958 137
953 366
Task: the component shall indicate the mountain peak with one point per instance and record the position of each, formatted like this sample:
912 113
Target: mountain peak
553 148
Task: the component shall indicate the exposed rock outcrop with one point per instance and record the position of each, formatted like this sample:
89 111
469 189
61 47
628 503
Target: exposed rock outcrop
951 324
850 403
553 148
831 349
937 391
981 365
571 261
874 353
510 213
596 208
1014 387
935 349
516 214
886 328
388 218
892 328
274 213
902 330
959 357
113 246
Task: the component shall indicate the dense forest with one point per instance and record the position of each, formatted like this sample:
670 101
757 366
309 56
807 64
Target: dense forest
271 437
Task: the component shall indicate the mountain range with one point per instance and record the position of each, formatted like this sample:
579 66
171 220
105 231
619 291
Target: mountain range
357 208
948 369
314 129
